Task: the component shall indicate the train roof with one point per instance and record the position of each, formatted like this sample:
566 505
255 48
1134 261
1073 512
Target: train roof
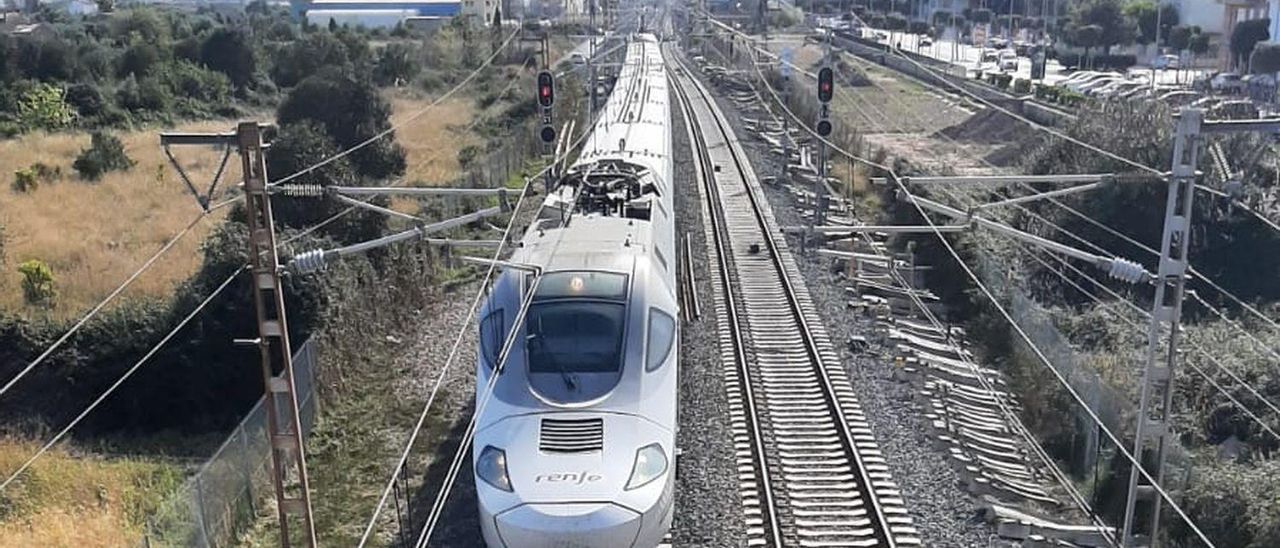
590 242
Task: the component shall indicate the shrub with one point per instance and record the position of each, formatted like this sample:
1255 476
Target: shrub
1022 86
105 153
86 98
30 178
37 283
43 107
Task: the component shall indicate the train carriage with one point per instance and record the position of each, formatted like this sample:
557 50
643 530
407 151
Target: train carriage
575 446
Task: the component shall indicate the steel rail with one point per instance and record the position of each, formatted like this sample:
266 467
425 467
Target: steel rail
769 528
810 523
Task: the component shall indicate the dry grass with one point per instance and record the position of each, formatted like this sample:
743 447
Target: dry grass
81 501
432 140
95 234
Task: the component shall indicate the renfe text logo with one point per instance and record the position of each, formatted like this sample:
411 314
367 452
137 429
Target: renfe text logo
576 478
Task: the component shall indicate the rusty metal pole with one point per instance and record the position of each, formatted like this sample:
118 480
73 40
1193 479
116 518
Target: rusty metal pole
288 457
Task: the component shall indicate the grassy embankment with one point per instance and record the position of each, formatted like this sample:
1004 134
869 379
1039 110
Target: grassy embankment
95 234
68 499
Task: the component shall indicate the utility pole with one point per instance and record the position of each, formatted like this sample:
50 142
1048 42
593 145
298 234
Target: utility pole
284 424
1162 337
1159 13
287 448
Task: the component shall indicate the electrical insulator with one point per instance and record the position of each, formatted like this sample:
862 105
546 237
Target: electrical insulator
546 89
310 261
300 190
826 84
1126 270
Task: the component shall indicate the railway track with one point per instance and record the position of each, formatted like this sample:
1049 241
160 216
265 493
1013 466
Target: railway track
810 473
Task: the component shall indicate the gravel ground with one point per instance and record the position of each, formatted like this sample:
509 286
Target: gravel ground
708 507
943 512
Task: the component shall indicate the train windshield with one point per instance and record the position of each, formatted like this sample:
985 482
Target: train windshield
574 333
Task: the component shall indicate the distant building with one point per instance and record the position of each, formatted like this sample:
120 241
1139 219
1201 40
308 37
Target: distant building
389 13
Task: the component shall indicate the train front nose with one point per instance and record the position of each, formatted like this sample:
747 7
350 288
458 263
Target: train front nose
568 525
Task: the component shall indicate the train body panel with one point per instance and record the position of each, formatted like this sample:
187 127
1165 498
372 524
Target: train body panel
575 444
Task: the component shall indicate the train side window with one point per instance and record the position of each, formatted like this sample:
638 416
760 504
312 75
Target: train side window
662 334
492 335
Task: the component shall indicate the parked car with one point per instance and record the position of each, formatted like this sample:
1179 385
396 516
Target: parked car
1165 62
1239 109
1008 60
1179 98
925 41
1091 77
1118 89
1023 49
1094 83
1077 76
997 42
1227 82
1206 103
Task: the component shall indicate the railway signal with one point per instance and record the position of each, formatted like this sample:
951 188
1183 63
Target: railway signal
824 127
546 89
826 84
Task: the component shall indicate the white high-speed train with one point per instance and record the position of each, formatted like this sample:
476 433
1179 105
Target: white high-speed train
576 445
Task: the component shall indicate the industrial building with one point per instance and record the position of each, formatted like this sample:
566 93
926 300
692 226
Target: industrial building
389 13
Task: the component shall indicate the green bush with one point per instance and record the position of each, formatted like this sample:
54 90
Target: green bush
37 283
30 178
43 107
1022 86
105 153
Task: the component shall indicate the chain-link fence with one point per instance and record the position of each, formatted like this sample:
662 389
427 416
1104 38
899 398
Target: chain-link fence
1114 408
220 499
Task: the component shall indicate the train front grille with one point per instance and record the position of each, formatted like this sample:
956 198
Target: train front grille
571 435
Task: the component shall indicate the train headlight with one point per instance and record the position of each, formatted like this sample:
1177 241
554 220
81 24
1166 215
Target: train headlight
492 468
651 463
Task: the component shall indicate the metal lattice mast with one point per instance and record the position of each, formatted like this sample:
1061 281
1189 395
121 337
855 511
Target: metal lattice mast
1153 435
284 425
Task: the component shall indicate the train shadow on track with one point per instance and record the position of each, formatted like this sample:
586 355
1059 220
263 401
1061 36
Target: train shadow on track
458 524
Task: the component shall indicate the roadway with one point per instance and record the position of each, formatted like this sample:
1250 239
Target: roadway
969 56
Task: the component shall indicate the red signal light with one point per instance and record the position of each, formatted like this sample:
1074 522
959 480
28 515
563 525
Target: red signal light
826 84
546 89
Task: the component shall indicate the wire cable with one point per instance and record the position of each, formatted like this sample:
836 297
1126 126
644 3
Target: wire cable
467 80
1261 423
128 373
75 328
1199 348
1136 465
172 241
1011 416
404 457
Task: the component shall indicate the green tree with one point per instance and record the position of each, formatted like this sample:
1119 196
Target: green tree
1108 15
1143 14
47 59
105 153
1265 58
141 23
230 52
1086 36
1245 36
1179 38
303 58
297 148
37 283
396 62
139 59
43 107
351 111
